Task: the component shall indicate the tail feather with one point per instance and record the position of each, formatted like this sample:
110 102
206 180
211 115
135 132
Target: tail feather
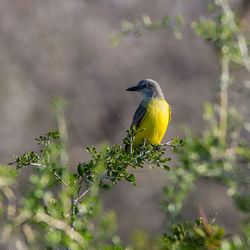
127 148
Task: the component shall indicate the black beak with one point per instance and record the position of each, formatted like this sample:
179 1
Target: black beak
133 88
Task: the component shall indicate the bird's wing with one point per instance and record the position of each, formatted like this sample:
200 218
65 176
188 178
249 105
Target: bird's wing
139 114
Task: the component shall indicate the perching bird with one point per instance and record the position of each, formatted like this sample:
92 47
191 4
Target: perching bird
153 115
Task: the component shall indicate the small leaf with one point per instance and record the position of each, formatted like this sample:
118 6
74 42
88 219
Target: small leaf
146 20
80 169
106 186
130 178
166 160
115 40
126 140
165 21
179 19
54 134
166 167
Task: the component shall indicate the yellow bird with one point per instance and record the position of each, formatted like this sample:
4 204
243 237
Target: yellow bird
152 116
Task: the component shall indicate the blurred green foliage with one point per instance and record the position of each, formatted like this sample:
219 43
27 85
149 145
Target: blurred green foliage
221 152
146 23
56 208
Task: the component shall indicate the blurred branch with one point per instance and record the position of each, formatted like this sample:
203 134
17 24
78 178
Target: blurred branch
58 224
145 23
240 38
224 98
59 105
29 234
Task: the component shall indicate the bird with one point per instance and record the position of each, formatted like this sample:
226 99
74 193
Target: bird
152 116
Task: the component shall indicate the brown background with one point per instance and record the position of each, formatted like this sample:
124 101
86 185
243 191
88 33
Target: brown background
62 48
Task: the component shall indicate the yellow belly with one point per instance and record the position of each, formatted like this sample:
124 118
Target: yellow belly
154 123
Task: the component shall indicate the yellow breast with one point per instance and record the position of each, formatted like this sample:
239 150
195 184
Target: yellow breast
154 123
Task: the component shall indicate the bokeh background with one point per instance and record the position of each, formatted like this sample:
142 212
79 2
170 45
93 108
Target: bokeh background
62 48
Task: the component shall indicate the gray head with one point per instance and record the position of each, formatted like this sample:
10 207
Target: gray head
148 88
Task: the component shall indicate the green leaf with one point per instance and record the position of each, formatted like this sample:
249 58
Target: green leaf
53 134
80 169
130 178
166 160
166 167
106 186
165 21
115 40
126 141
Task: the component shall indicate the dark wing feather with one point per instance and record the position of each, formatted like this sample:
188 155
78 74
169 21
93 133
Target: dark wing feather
139 114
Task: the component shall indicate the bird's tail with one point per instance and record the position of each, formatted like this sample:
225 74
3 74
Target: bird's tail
128 148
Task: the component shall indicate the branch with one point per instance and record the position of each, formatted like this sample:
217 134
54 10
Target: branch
224 98
61 179
58 224
55 174
171 143
240 38
78 198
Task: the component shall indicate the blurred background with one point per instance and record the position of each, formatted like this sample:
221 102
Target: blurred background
62 48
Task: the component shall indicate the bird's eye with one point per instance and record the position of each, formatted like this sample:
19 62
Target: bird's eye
145 86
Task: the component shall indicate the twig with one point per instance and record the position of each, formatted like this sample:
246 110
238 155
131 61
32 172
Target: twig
169 143
61 179
72 214
36 164
130 146
77 199
55 174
